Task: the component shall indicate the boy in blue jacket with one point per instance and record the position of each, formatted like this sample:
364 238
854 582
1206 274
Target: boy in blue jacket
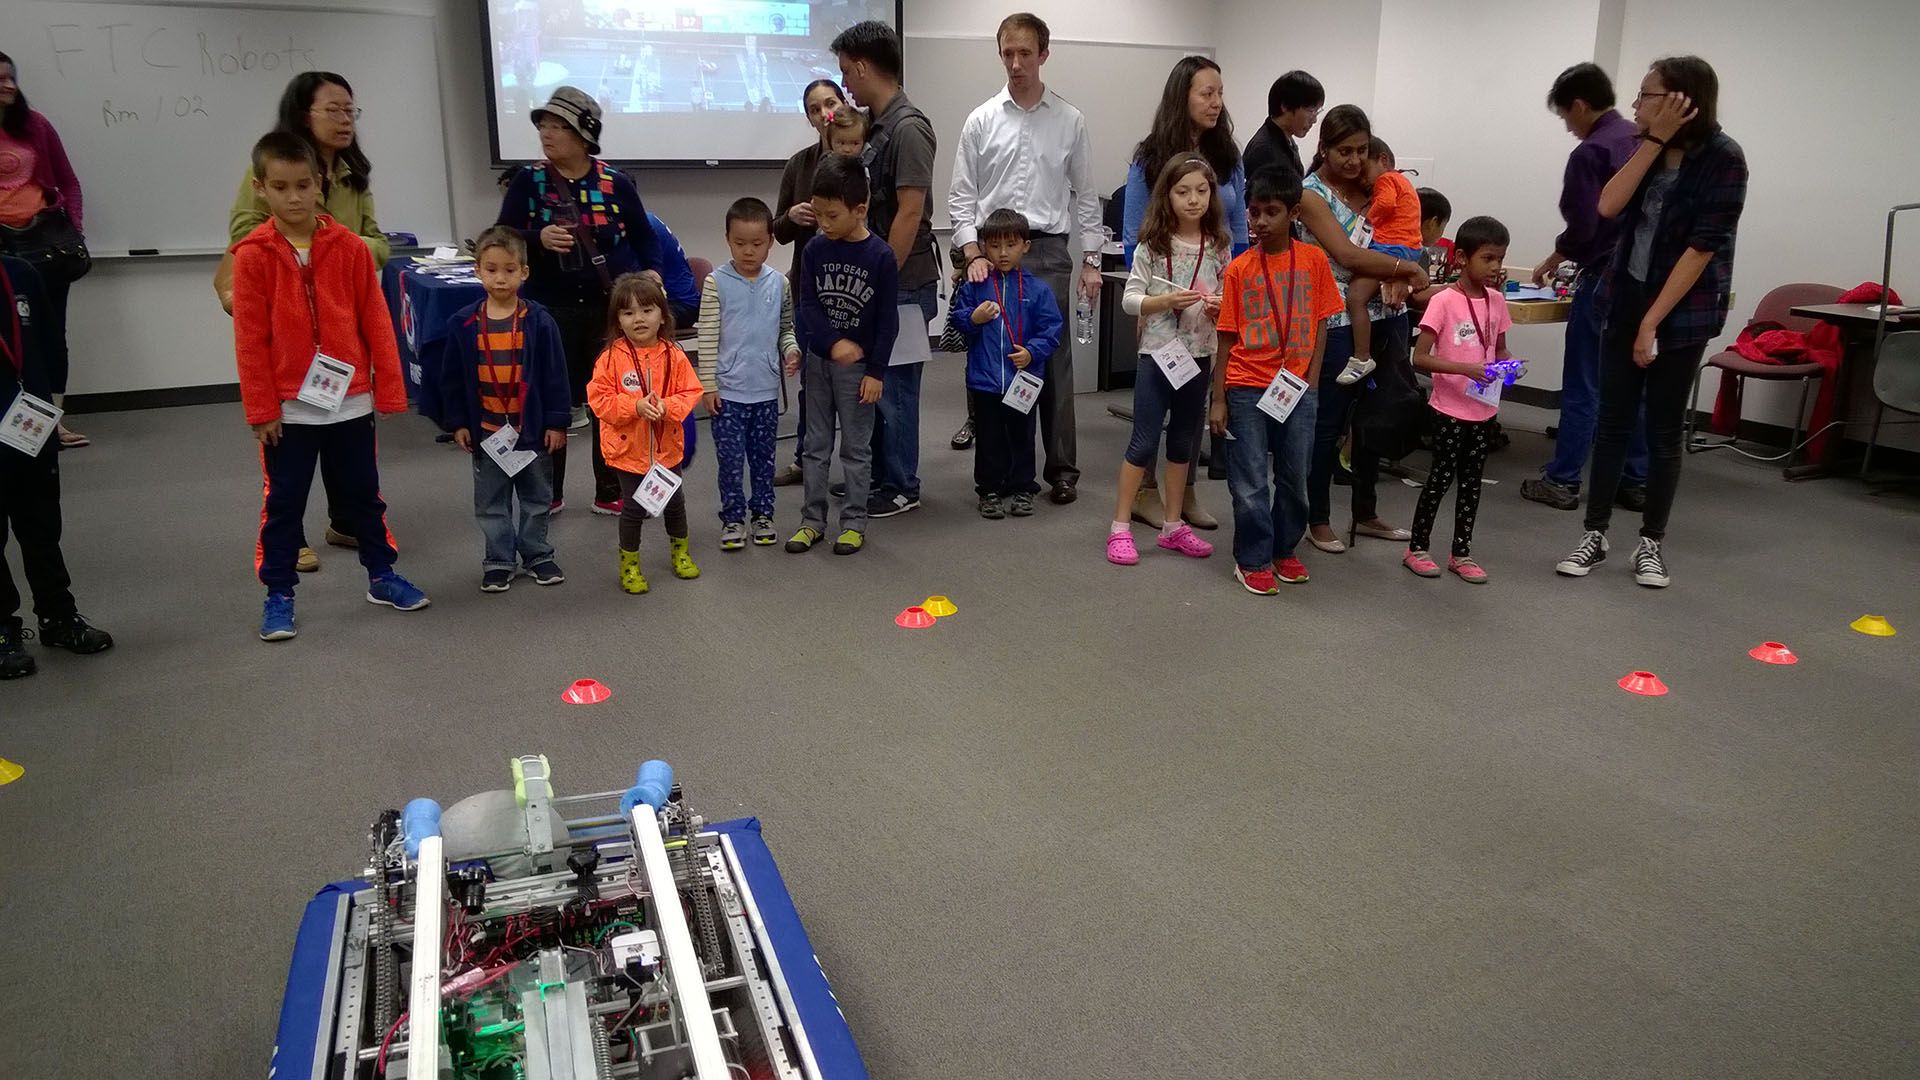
1012 326
504 385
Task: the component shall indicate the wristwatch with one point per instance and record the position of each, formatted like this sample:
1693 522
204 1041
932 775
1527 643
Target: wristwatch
1091 260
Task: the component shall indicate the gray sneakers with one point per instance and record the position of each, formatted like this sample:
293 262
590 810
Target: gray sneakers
733 536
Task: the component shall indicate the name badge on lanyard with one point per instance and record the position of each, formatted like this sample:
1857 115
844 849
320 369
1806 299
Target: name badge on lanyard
1023 392
500 447
1176 363
656 489
1282 394
30 420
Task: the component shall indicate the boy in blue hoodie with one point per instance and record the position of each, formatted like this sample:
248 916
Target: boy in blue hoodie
746 337
1012 325
505 388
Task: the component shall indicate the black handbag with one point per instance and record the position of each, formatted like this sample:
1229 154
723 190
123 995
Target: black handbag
1391 413
51 244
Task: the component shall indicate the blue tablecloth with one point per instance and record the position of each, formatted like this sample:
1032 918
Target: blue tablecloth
422 300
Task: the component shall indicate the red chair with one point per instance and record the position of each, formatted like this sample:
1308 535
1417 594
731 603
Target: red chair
1775 307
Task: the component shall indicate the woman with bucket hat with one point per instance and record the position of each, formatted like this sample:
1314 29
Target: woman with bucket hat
584 226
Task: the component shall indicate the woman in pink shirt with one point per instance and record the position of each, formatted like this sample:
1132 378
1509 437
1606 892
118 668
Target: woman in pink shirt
34 176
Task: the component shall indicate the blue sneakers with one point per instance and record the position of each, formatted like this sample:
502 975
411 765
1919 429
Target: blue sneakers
395 592
276 621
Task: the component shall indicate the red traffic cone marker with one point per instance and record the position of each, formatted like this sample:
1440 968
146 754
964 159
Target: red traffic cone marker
914 618
586 692
1644 683
1772 652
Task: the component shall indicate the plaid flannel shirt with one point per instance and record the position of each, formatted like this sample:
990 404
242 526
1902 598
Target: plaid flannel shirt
1702 213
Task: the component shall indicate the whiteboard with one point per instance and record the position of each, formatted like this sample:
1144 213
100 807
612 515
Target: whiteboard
1115 86
159 105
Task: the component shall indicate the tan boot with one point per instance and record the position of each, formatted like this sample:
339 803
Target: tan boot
1148 510
1194 514
308 561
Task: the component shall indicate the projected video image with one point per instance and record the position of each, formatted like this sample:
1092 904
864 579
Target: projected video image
668 73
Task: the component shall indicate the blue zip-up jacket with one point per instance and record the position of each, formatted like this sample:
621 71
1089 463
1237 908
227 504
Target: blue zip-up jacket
1038 322
676 273
543 375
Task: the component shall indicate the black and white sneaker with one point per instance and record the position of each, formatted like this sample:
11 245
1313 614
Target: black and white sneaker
886 506
1591 553
1649 568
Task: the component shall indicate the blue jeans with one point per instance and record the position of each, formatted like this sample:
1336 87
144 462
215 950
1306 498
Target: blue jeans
1269 508
743 437
1336 411
1580 395
493 493
896 421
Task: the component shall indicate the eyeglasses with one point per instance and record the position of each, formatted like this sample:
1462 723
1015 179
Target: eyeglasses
1644 96
336 113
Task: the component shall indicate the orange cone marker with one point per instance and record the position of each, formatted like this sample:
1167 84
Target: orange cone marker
1644 683
914 618
586 692
1772 652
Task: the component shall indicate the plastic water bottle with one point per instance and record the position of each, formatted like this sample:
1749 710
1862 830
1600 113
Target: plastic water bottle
1083 321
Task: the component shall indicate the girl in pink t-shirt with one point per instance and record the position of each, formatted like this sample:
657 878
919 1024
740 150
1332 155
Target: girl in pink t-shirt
1462 333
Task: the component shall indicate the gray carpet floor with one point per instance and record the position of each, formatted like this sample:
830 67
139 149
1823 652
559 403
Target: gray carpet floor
1103 823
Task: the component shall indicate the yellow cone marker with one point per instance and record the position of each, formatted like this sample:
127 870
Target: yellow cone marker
9 772
1876 625
940 607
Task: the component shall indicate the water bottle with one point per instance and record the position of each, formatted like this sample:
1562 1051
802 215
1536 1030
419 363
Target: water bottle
1083 321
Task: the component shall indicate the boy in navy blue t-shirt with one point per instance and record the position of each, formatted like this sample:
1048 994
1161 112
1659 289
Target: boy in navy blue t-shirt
847 321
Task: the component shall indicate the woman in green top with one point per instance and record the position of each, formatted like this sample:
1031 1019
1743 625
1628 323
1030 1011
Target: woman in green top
317 106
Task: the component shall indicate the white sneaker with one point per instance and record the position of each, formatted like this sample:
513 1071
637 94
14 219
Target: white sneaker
1649 568
1591 553
1357 368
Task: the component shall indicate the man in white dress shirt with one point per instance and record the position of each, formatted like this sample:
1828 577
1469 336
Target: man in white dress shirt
1026 149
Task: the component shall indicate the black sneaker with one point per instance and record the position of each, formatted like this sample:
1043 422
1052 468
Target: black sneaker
496 581
991 509
1649 568
15 661
1631 498
546 573
1542 490
72 633
839 490
1022 505
964 437
886 506
1591 553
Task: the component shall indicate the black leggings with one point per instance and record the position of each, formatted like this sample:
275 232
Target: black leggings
583 330
631 516
1665 386
1459 451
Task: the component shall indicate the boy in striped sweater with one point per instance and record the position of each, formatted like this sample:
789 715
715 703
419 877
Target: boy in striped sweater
746 339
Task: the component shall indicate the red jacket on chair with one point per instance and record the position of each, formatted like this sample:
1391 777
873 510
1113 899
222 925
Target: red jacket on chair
1771 343
273 327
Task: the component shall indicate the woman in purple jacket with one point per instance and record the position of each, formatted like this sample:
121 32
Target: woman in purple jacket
35 177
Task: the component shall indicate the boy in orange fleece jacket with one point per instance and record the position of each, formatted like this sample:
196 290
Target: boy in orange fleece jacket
317 358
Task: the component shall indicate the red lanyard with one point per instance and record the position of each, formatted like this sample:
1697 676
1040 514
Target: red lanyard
1482 332
493 368
12 347
1006 315
1197 260
1284 327
306 280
